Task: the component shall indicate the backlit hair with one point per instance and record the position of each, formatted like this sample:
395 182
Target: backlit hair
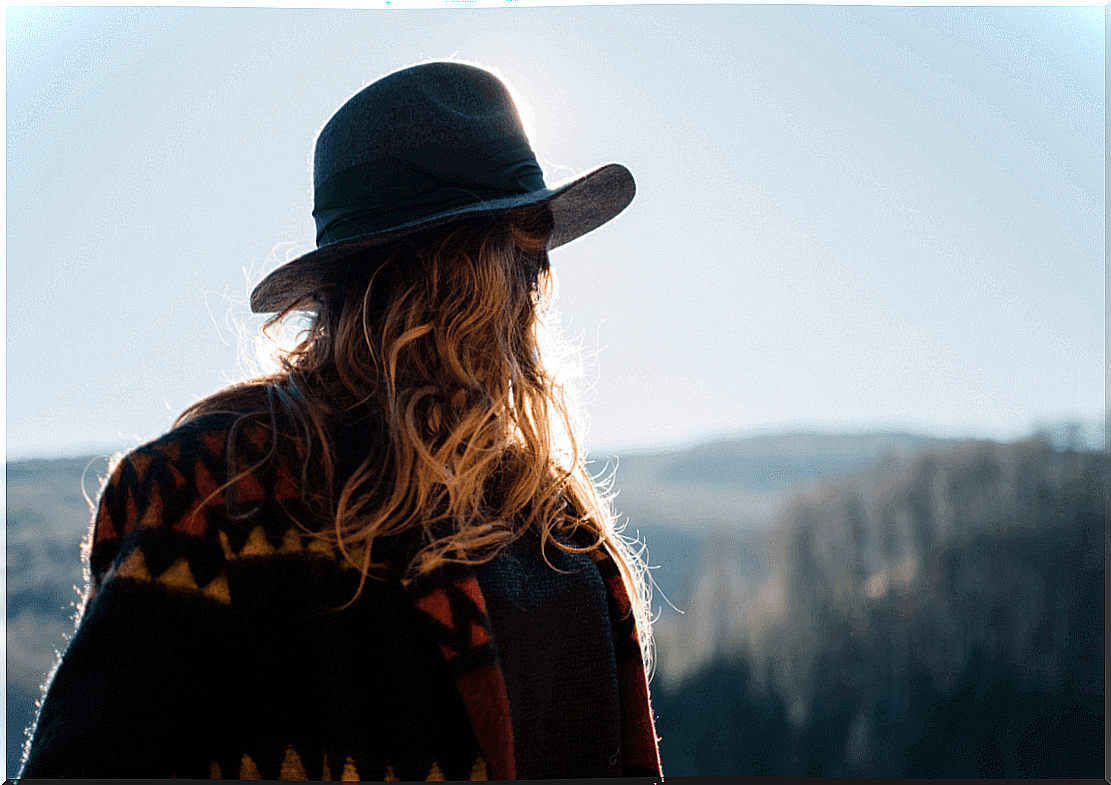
445 337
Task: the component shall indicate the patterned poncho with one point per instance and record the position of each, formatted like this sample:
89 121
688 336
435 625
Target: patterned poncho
213 644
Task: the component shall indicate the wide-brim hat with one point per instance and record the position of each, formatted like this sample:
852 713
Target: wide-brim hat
422 147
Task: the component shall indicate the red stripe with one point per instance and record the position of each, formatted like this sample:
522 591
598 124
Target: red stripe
637 728
105 527
469 586
483 691
638 731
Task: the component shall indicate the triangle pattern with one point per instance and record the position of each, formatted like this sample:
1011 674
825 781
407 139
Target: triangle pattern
105 526
247 769
179 478
479 635
171 450
140 461
435 774
179 576
470 589
285 487
206 486
214 441
134 567
249 489
218 590
438 606
194 523
254 432
456 620
160 553
131 512
291 543
274 537
256 544
152 515
455 608
236 536
206 564
321 546
291 766
478 770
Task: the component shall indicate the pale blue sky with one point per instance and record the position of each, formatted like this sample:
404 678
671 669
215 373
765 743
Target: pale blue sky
847 216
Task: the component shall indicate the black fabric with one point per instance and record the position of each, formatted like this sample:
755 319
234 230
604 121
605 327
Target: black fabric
157 684
386 192
556 651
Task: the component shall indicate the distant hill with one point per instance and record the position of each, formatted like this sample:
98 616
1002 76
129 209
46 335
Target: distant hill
743 482
728 493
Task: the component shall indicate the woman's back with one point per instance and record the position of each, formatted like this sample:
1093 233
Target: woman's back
212 646
386 560
557 657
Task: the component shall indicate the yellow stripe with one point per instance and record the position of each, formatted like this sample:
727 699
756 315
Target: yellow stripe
478 771
435 774
291 766
247 769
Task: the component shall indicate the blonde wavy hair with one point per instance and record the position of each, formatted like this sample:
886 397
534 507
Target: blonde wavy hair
445 336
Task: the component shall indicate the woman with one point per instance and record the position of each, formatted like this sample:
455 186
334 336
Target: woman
385 561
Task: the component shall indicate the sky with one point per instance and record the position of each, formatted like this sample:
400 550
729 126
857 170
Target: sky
847 217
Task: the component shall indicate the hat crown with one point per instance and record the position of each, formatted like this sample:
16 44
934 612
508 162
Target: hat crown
418 143
441 106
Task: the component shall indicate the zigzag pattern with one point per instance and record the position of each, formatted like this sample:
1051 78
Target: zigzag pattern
292 768
178 577
459 622
163 516
455 614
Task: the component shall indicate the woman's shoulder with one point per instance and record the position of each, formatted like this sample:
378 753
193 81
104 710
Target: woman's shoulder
206 449
203 472
206 433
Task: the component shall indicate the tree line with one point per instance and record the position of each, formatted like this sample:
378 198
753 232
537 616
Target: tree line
942 617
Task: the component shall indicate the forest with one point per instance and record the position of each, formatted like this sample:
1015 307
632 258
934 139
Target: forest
942 619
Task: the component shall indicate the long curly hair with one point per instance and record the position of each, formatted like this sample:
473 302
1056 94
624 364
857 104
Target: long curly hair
442 342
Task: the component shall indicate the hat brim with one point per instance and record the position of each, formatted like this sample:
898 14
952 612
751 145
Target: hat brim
578 206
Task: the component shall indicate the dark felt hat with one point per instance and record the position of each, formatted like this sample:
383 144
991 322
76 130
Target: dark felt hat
421 147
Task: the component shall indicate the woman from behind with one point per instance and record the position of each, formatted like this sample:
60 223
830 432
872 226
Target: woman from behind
386 560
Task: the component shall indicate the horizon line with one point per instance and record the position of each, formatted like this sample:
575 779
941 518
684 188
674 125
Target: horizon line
1092 436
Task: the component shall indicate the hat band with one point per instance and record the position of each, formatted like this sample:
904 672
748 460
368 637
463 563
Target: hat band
405 188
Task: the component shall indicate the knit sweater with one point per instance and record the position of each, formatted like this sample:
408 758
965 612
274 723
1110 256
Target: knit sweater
210 645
